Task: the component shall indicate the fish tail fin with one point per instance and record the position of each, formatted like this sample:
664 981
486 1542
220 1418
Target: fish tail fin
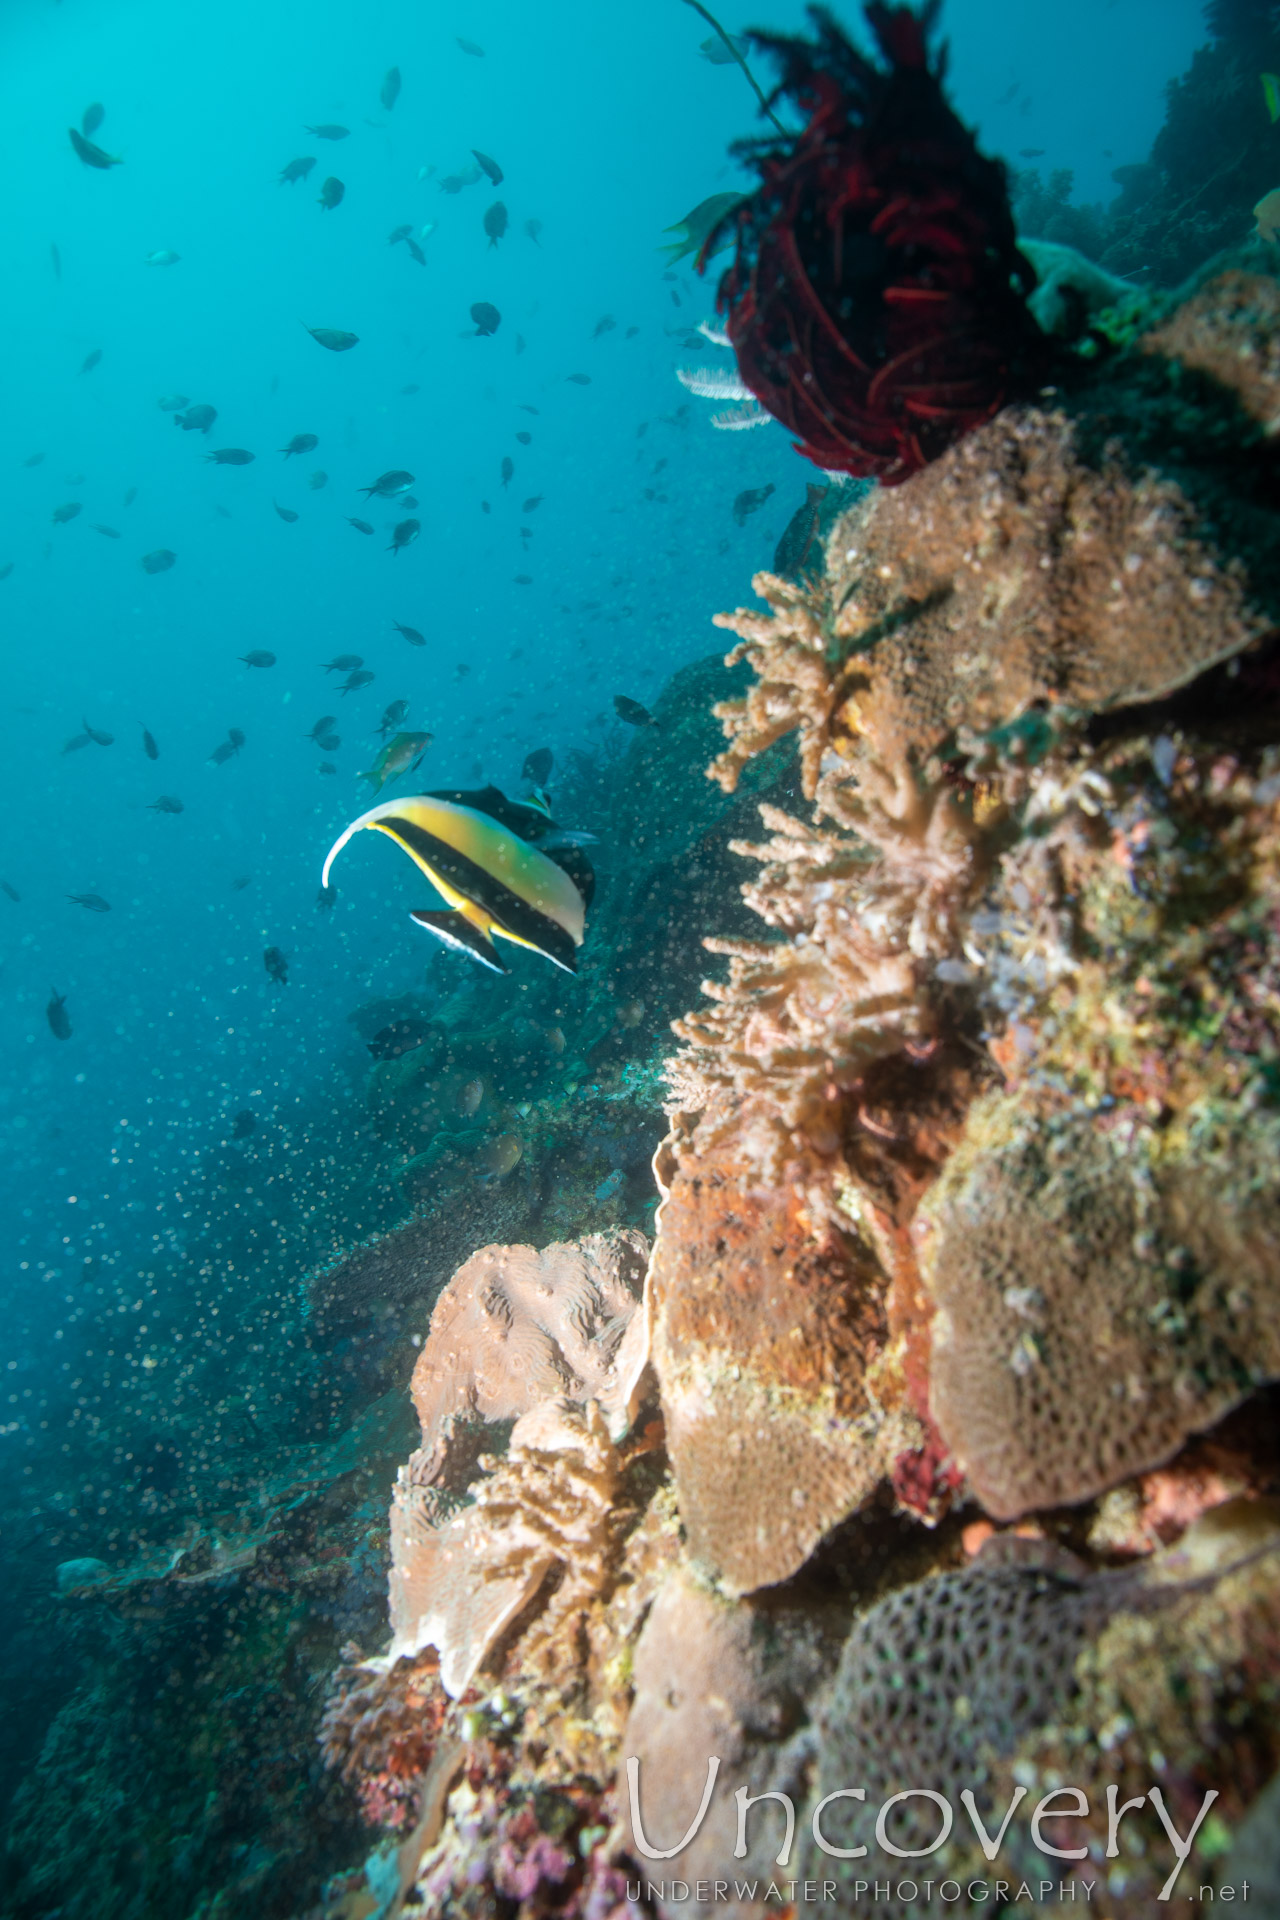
462 934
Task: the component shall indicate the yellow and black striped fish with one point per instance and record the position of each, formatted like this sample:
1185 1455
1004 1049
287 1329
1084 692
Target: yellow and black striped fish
501 866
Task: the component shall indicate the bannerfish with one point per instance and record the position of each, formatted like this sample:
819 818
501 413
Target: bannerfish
329 131
402 753
411 634
196 419
149 746
56 1014
480 852
495 222
258 657
295 170
166 804
404 535
537 766
632 712
158 562
92 155
491 167
387 485
486 317
331 194
336 339
301 443
276 965
231 457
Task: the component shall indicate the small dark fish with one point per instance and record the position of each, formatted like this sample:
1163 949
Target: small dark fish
404 535
491 167
750 500
301 443
6 569
334 338
166 804
537 766
286 513
258 657
411 634
158 562
495 222
1031 153
331 194
91 360
317 480
401 1037
344 663
93 901
525 439
236 738
92 118
196 419
322 726
110 532
533 228
56 1014
508 469
326 898
329 743
387 485
296 170
231 457
326 766
62 514
359 677
605 324
361 526
523 579
33 460
392 717
149 746
486 317
632 712
485 507
532 504
91 155
76 742
98 739
580 379
469 46
329 132
397 234
238 885
12 892
56 258
223 752
389 92
243 1125
415 253
276 965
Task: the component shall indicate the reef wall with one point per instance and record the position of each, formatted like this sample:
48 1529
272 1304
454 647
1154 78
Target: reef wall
941 1449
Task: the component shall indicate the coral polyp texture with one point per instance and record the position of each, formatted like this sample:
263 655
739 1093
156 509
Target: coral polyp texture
876 302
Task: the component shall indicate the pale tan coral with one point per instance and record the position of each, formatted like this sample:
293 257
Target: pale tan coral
1010 572
1231 331
1105 1287
547 1505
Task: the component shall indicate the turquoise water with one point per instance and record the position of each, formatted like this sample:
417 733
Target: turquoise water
608 125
